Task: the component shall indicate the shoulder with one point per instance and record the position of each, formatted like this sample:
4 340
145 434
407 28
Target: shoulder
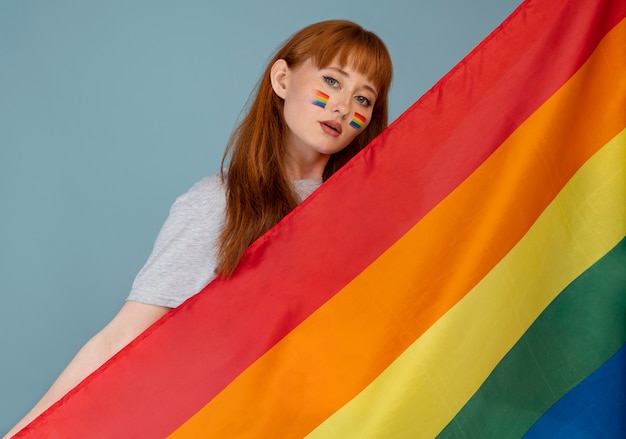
206 196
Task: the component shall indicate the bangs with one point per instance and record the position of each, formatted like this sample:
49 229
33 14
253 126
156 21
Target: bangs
365 55
351 46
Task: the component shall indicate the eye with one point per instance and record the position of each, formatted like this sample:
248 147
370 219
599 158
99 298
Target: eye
331 81
363 101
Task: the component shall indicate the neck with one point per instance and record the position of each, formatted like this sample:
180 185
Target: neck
300 169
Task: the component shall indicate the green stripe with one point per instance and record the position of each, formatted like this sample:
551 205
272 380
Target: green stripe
583 327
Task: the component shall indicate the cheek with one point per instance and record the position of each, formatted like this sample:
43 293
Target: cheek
319 99
359 121
297 111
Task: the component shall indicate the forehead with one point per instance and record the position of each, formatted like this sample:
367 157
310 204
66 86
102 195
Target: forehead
360 61
348 66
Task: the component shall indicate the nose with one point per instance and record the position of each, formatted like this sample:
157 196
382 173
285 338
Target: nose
341 106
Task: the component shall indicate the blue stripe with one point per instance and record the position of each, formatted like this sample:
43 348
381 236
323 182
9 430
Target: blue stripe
596 408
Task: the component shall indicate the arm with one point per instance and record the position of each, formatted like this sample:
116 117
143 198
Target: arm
132 319
181 263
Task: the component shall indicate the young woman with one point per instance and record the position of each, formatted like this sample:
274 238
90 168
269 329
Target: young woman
322 98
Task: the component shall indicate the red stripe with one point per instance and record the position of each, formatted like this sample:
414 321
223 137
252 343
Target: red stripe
170 372
321 95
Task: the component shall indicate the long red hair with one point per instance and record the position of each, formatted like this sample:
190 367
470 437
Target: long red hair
258 193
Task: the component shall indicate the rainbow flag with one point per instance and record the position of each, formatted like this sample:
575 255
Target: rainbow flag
463 276
357 121
320 99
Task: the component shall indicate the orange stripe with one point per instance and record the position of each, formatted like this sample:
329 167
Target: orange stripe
311 372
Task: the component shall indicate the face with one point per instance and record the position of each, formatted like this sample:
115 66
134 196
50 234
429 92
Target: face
324 109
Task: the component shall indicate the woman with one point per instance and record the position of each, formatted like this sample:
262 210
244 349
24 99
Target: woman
322 98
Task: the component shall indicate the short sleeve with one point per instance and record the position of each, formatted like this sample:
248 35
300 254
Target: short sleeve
183 259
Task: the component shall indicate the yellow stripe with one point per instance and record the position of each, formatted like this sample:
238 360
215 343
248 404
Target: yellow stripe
431 381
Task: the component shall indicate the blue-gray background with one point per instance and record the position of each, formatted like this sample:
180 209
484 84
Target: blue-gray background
110 109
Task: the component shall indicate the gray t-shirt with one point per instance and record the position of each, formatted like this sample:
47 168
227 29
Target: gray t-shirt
183 259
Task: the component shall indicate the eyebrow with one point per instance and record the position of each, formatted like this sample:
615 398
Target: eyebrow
344 73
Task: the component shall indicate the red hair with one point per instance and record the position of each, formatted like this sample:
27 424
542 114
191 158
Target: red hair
258 193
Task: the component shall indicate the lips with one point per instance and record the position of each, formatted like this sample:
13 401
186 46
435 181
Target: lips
331 127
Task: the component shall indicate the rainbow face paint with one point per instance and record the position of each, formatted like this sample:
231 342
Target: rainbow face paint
358 121
320 99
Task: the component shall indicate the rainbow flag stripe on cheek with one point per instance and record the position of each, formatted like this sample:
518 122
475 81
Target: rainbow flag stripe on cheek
357 121
320 99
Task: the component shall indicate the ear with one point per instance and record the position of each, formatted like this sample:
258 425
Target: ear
279 74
